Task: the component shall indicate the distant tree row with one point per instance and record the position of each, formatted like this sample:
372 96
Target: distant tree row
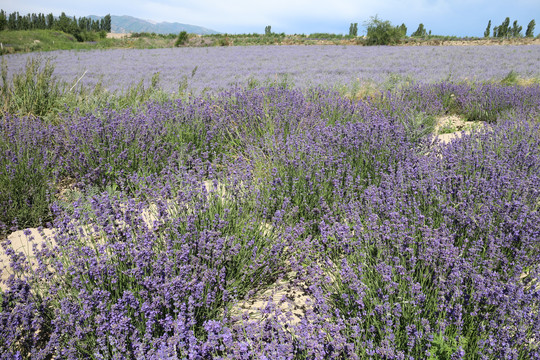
80 28
506 31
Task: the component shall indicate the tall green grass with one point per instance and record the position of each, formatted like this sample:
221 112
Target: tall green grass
36 92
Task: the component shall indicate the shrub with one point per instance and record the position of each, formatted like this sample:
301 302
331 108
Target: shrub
182 39
382 32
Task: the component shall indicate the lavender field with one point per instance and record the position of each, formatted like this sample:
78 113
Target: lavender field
280 220
218 68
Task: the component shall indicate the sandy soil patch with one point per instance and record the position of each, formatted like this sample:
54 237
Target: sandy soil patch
289 297
452 127
118 35
25 242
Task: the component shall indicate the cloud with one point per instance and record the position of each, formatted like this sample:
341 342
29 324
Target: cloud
448 17
287 15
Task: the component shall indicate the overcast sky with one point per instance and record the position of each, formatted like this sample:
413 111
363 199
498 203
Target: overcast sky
442 17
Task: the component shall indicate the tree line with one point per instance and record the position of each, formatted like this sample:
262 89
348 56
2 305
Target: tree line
505 30
83 28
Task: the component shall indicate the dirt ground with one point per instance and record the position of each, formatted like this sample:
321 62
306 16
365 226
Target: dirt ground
117 36
291 40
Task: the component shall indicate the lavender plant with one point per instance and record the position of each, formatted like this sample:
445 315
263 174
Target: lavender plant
401 247
26 173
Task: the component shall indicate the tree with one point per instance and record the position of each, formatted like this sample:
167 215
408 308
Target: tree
95 25
182 39
486 33
516 29
50 21
403 30
506 31
503 29
381 32
3 20
42 21
420 32
12 21
530 29
353 29
268 30
63 23
107 23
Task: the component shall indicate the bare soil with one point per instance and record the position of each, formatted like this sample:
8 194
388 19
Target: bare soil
118 35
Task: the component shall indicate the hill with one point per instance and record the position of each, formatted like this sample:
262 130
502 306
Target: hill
127 24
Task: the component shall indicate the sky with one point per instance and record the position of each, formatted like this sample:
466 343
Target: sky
442 17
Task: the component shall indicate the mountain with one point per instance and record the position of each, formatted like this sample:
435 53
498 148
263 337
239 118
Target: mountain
127 24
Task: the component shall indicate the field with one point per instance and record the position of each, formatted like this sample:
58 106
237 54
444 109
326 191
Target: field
271 203
215 68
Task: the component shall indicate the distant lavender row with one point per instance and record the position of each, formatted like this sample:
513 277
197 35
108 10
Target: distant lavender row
303 66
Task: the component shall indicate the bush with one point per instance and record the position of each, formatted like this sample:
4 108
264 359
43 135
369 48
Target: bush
182 39
381 32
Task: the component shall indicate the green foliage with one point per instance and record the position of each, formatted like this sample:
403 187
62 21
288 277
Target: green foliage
516 29
182 39
79 28
326 36
420 32
443 347
403 29
382 32
417 125
511 78
530 29
488 29
224 41
106 23
268 30
353 29
153 35
47 40
34 92
503 30
3 20
506 31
